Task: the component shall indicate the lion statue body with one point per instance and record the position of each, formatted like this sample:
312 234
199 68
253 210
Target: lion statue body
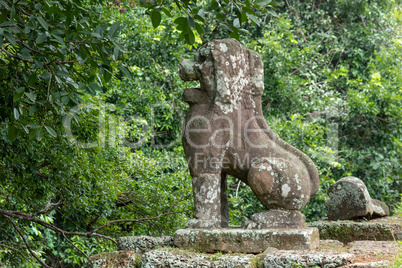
225 133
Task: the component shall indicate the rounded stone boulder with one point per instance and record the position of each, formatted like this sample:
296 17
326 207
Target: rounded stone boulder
348 199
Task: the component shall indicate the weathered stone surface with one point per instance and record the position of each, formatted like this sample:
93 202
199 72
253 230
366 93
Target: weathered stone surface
348 199
365 251
382 229
291 259
380 209
180 258
140 244
267 251
246 241
276 219
376 264
225 133
116 259
331 245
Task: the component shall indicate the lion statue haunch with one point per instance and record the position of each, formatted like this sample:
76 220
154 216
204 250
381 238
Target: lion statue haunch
225 133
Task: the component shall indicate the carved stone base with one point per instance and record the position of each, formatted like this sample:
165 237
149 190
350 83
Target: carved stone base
246 241
276 219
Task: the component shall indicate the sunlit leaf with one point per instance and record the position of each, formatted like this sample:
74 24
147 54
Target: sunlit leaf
51 131
16 114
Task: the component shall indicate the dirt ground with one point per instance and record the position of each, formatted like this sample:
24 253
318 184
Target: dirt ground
366 251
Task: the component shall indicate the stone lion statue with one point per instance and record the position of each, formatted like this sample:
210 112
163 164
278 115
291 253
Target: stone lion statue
225 133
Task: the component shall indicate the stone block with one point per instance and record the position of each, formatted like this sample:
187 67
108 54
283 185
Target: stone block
376 264
291 259
116 259
140 244
188 259
276 219
383 229
246 240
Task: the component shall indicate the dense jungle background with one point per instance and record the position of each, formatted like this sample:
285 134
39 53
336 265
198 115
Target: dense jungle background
91 111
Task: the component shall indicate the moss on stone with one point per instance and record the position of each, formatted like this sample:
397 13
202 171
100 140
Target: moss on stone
116 259
348 231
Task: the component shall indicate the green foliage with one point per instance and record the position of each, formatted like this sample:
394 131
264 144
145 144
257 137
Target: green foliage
199 17
51 53
91 122
332 89
333 81
67 161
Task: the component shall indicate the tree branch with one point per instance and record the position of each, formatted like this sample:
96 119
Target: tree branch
69 241
22 253
27 217
40 167
25 242
138 220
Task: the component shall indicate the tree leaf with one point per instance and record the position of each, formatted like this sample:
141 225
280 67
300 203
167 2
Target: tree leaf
8 24
43 23
214 4
10 38
190 21
107 75
124 70
243 17
262 3
25 128
199 29
39 135
226 27
254 19
4 4
31 96
235 35
33 125
63 74
12 133
32 79
201 13
40 39
58 39
167 12
17 96
51 131
272 12
236 23
155 18
33 109
220 16
189 37
114 30
16 114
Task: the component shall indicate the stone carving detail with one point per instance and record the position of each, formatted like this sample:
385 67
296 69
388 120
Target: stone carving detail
225 133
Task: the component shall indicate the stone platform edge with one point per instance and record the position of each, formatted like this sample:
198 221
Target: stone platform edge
246 240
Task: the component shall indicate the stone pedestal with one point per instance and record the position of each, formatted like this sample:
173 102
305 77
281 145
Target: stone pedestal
246 240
